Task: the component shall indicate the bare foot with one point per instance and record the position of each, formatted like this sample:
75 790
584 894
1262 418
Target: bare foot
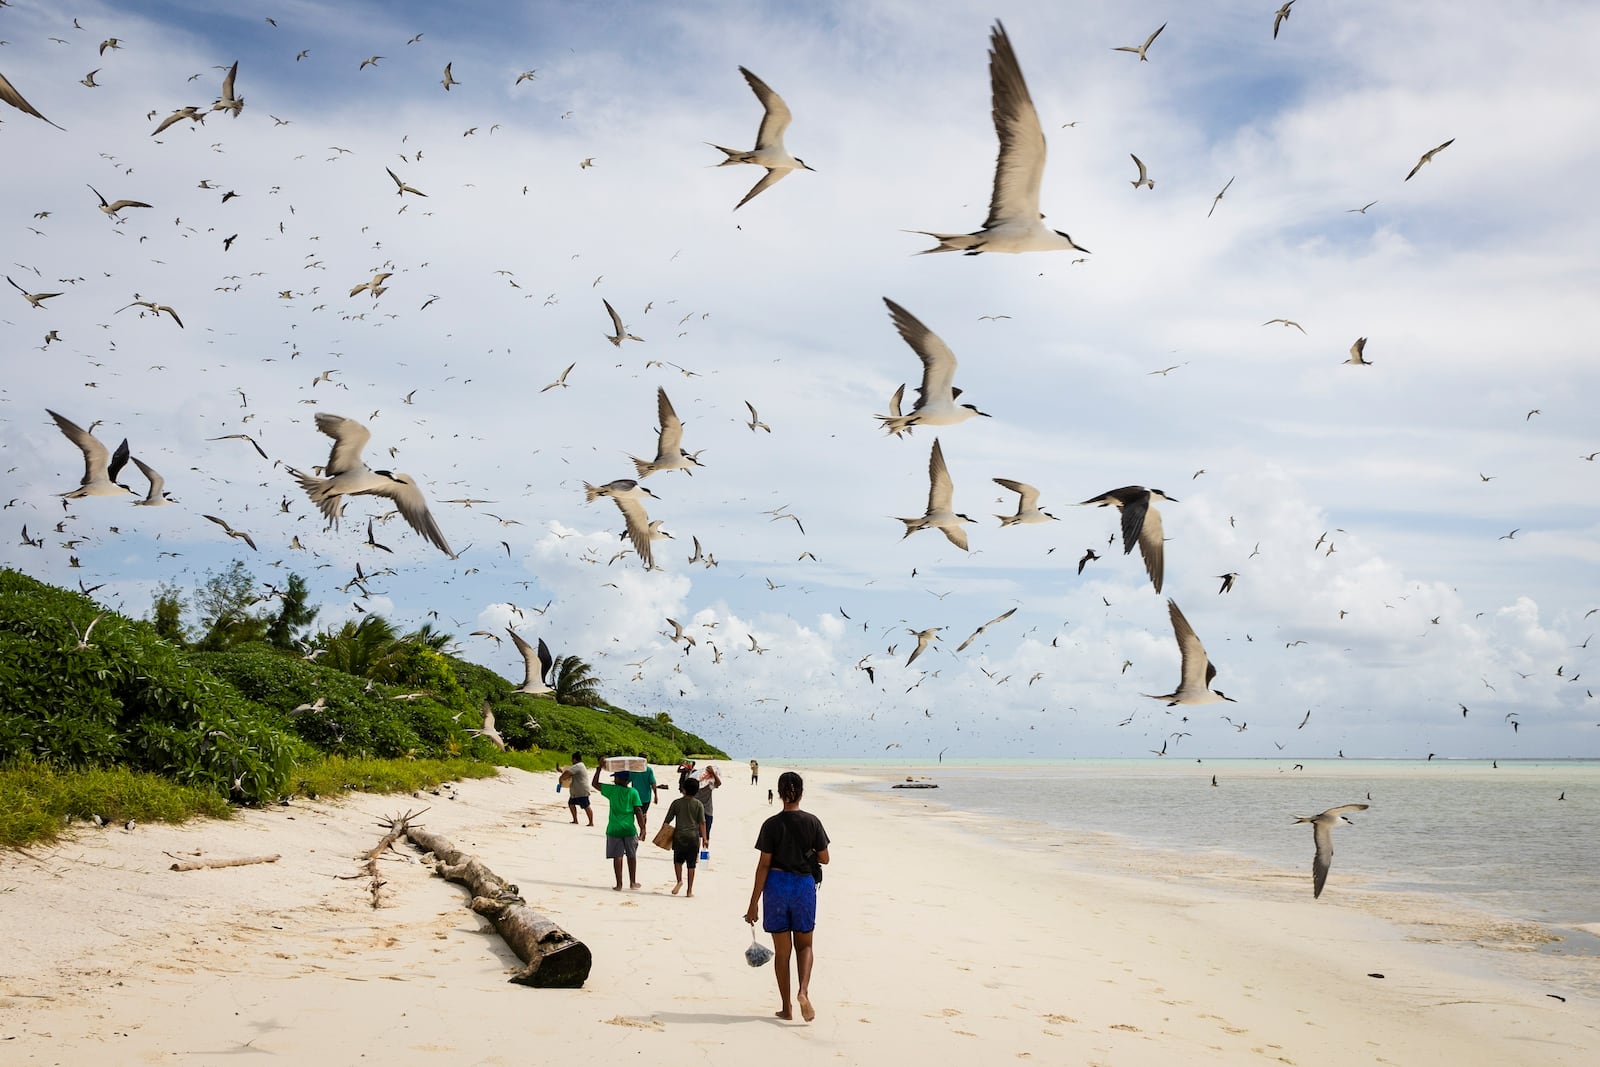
633 885
805 1007
783 1013
616 888
677 887
687 895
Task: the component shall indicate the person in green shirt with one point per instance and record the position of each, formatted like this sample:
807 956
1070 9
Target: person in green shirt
625 815
688 818
644 783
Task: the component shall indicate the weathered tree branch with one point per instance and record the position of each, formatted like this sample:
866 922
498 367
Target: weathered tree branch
242 861
396 825
553 958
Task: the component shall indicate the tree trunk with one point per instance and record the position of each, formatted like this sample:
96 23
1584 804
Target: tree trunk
553 958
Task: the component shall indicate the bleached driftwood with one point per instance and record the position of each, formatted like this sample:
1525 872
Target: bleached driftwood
242 861
396 826
552 958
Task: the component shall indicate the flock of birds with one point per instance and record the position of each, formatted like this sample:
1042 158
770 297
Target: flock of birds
1014 225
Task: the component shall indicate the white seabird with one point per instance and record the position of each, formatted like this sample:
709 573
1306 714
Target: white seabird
670 455
923 637
1322 833
1014 223
769 151
621 334
348 475
157 496
1141 524
1140 49
936 397
940 514
100 465
1144 178
536 663
1027 505
9 95
1196 672
626 494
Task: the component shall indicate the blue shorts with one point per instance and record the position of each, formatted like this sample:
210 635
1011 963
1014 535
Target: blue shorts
578 802
789 903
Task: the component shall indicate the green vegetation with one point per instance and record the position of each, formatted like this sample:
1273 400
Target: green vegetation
224 710
37 801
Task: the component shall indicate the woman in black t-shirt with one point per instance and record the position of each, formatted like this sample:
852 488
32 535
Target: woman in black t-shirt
793 845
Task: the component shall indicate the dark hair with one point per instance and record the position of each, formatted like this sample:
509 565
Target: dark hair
577 757
622 777
790 787
690 787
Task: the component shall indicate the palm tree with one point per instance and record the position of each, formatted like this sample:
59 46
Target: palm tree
430 637
361 648
574 682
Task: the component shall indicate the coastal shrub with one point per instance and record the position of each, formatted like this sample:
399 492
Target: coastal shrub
329 777
78 697
121 693
37 800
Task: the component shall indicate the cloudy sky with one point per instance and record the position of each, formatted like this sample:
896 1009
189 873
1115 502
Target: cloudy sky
1365 509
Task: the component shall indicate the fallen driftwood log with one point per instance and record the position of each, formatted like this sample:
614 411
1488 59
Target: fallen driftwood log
553 958
242 861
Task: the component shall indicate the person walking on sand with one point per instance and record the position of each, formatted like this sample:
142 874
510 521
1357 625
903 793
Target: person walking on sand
689 832
576 779
755 772
625 814
710 782
790 842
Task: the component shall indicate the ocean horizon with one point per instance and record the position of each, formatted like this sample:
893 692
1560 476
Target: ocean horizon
1487 851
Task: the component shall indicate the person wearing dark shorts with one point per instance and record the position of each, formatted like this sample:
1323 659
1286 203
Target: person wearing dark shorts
688 818
625 813
791 843
576 779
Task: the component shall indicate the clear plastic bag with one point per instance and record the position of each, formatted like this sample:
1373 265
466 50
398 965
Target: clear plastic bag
757 954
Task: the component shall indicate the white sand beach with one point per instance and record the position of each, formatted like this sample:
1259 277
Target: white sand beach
933 942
